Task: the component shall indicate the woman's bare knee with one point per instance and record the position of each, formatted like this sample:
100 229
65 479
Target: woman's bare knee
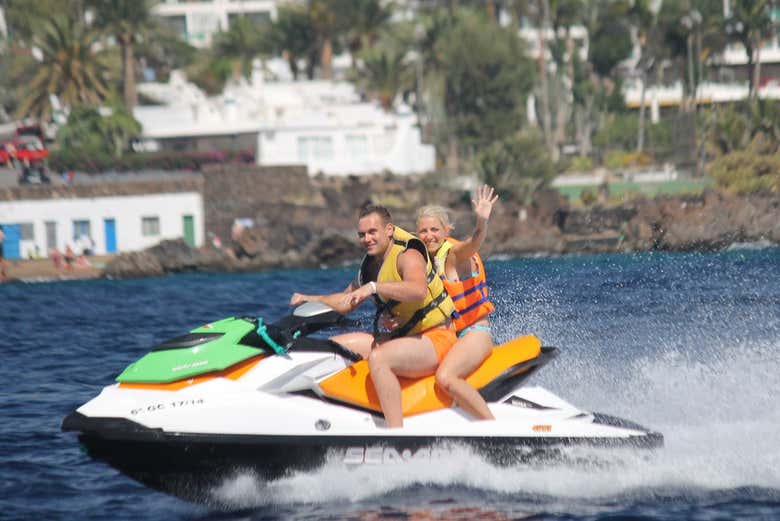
445 379
376 360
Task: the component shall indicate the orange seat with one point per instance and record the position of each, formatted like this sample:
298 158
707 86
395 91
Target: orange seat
353 385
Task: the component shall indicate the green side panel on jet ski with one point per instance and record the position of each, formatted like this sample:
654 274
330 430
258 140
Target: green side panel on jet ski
212 347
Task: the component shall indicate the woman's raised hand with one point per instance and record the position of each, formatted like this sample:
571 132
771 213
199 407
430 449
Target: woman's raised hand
484 202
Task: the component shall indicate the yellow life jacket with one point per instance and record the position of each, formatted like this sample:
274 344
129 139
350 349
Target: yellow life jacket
415 316
470 295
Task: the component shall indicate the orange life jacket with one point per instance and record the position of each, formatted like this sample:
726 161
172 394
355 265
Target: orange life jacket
470 295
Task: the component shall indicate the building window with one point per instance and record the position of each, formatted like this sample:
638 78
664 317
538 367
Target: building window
357 145
26 232
178 23
256 18
81 228
315 147
150 226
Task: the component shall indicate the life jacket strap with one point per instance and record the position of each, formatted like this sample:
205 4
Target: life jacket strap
418 316
472 306
469 291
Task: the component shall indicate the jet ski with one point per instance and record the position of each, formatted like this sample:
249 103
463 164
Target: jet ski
240 395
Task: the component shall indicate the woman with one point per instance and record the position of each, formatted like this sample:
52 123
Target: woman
463 274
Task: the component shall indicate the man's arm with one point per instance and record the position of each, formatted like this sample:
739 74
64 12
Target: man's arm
337 301
413 286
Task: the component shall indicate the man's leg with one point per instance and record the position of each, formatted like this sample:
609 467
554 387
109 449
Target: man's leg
411 357
356 342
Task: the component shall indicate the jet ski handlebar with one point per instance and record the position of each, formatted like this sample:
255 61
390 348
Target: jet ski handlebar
292 330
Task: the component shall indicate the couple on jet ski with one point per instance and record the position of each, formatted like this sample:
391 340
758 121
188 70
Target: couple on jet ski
431 295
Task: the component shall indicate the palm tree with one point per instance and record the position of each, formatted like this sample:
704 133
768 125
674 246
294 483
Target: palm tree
362 20
324 21
645 21
69 68
384 72
128 21
749 23
241 44
25 18
294 37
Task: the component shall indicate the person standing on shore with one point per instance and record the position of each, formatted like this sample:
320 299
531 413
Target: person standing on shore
3 265
399 275
463 273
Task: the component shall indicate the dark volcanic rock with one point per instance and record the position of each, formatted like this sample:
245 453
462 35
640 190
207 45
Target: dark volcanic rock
334 250
170 256
307 222
134 264
595 220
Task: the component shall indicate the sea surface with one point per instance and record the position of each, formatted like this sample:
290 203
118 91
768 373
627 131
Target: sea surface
687 344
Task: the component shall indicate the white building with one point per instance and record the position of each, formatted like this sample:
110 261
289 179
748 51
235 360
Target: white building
707 93
197 22
115 223
321 124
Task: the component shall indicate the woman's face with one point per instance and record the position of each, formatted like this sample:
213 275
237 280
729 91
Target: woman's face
432 232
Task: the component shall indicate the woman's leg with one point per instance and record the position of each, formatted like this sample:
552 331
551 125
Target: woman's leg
357 342
465 356
412 357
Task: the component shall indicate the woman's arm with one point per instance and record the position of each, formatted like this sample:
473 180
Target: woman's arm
483 206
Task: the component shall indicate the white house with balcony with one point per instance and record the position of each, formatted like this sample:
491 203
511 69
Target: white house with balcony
322 124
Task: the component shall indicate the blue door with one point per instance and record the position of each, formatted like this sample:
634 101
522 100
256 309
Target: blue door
109 225
11 241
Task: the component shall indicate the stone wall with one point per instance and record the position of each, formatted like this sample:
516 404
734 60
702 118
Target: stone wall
233 191
193 183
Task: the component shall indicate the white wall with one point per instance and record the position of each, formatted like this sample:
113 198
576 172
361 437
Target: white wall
127 212
395 146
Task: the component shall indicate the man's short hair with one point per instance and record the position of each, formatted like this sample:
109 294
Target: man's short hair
381 211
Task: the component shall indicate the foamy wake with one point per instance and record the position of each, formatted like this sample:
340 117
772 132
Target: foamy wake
718 416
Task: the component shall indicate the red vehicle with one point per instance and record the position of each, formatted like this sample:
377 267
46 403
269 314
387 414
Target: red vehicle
23 148
5 157
30 148
27 145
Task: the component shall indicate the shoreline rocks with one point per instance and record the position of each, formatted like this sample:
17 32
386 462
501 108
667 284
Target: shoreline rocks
300 237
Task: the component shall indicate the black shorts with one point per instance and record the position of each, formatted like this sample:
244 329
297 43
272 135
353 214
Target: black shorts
1 251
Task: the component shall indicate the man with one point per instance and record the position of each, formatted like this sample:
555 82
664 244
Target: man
397 272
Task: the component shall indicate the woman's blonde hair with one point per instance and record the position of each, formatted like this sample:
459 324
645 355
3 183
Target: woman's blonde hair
437 212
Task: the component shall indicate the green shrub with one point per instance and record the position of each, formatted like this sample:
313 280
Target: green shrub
580 164
587 196
96 162
745 172
620 132
621 159
515 165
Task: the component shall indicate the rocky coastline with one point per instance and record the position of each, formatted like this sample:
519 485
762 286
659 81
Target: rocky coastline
309 222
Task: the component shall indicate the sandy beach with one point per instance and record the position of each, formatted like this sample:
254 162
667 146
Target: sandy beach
44 269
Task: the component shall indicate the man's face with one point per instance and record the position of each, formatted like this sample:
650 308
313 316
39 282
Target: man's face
374 234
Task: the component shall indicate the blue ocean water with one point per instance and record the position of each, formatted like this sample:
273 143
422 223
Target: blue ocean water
688 344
